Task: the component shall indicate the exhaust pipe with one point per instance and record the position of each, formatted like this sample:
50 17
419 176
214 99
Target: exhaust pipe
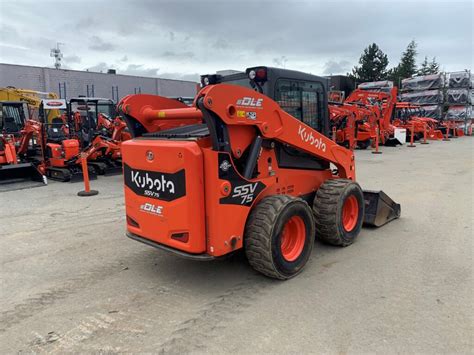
379 208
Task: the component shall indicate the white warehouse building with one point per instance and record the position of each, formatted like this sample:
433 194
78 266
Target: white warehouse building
73 83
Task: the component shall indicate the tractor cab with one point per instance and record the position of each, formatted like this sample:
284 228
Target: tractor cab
302 95
86 115
13 115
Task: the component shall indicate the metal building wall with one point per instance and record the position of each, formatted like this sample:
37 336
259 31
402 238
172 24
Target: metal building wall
86 83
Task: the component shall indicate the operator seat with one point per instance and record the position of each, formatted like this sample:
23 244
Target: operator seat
56 130
10 125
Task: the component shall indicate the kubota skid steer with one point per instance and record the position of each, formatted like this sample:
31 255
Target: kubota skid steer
250 175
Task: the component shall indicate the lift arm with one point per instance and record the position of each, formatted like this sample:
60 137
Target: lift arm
237 106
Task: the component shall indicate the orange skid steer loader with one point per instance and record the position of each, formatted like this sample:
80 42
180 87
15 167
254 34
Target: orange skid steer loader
247 175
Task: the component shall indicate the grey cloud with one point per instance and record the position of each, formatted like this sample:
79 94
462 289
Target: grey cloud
140 70
86 23
281 61
333 67
72 59
177 55
221 44
192 37
99 45
180 76
100 67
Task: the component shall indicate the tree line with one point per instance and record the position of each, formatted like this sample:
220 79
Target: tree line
373 65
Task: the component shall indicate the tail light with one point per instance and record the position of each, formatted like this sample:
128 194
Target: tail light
132 222
182 237
210 79
257 74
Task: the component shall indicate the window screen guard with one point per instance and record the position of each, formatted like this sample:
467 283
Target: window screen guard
301 99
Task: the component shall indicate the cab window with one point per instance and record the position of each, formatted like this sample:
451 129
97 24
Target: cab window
302 100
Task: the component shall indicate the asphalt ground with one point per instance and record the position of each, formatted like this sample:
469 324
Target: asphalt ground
71 281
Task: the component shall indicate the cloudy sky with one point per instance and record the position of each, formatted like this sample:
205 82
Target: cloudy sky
182 39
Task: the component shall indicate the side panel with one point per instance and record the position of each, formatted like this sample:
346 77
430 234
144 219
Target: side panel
164 193
229 198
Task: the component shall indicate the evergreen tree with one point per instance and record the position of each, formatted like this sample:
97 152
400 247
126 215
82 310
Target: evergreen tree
373 65
428 68
434 66
425 67
407 66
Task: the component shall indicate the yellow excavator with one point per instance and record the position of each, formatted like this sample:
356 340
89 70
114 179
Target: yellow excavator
32 98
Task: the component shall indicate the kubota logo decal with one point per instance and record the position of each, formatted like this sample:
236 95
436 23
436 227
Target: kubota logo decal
161 186
307 137
250 102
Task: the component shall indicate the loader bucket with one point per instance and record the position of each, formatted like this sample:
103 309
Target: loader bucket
392 142
19 176
379 208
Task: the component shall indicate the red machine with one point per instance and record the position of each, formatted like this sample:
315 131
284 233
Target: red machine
96 126
244 174
410 116
14 168
382 105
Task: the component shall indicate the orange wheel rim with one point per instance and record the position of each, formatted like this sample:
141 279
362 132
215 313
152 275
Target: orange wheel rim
350 213
293 237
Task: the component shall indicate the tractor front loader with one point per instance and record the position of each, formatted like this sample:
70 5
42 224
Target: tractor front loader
247 175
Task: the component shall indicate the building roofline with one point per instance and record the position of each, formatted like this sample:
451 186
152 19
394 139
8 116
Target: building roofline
95 72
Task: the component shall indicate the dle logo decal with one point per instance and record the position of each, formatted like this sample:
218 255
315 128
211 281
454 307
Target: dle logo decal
308 137
245 192
161 186
153 209
249 102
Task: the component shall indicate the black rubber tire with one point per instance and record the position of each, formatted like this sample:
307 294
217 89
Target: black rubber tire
327 209
364 144
263 236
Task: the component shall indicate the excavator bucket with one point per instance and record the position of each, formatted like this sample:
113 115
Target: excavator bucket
379 208
20 176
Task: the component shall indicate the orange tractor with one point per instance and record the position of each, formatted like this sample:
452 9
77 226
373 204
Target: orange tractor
248 168
14 167
362 116
410 116
96 126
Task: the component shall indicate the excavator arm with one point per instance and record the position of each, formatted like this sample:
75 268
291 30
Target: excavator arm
32 128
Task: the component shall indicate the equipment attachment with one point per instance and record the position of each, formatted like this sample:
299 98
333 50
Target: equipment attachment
379 208
11 174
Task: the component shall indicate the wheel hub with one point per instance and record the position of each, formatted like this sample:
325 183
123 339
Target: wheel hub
293 237
350 213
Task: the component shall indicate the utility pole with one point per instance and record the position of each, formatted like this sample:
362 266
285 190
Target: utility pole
58 56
